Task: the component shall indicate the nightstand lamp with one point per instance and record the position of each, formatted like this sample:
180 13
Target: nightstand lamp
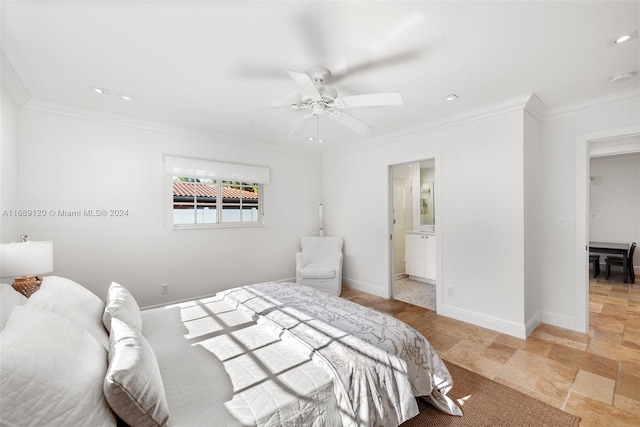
25 260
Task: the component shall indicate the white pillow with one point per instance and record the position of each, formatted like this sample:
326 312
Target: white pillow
51 372
73 301
121 305
133 384
9 298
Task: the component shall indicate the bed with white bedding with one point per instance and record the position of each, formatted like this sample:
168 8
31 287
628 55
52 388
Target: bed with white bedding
267 354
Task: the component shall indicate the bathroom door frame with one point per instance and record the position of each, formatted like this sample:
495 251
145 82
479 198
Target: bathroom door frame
436 155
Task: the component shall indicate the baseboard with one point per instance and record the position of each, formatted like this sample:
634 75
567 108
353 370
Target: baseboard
422 279
515 329
559 320
495 324
533 323
366 287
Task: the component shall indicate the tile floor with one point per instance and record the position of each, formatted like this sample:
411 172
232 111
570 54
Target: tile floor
595 376
414 292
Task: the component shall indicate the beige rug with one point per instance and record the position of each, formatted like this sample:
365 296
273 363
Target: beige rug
489 404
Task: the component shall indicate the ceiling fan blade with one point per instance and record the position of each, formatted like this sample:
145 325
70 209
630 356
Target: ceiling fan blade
371 100
305 83
269 107
351 122
299 127
364 65
312 27
252 71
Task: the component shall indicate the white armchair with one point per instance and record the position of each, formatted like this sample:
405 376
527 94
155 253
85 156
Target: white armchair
319 264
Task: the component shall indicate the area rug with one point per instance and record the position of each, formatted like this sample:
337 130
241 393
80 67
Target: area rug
490 404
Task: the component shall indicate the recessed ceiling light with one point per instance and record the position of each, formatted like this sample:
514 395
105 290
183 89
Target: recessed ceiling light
623 77
450 97
99 90
627 37
126 97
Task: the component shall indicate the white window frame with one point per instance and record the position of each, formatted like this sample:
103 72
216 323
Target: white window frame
220 172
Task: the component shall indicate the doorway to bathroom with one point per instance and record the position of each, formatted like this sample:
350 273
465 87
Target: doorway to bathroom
413 249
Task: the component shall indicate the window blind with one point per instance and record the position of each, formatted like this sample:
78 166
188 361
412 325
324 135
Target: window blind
181 166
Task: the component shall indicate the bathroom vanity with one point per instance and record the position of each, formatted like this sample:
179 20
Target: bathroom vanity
420 255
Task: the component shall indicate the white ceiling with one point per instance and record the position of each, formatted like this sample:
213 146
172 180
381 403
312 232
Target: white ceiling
213 66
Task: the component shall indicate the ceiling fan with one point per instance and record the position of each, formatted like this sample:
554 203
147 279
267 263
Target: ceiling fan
321 99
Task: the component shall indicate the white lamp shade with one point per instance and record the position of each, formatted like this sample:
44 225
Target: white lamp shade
26 259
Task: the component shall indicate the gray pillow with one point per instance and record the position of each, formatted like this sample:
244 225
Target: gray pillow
120 304
133 384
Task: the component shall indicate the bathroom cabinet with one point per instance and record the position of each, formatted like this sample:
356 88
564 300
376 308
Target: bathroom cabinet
420 256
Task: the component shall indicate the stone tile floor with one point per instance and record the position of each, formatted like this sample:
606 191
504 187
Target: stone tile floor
595 376
414 292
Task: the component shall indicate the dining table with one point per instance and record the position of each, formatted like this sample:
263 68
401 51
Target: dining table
614 248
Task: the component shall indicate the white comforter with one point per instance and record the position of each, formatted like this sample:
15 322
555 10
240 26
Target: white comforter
378 362
221 368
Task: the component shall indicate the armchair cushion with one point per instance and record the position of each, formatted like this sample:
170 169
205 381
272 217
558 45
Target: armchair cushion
318 270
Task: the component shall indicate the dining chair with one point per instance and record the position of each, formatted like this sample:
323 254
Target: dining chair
617 261
595 260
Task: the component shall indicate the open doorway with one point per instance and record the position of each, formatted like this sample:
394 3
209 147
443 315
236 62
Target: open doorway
623 139
413 249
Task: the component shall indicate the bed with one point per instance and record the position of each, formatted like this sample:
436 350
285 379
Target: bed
268 354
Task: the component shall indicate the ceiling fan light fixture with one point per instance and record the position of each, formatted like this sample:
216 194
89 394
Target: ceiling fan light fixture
321 99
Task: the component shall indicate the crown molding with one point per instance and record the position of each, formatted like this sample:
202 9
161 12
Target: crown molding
116 119
608 101
536 107
513 104
11 82
529 102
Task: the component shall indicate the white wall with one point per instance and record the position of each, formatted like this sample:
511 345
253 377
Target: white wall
9 165
614 200
558 155
533 202
509 269
76 163
481 222
72 163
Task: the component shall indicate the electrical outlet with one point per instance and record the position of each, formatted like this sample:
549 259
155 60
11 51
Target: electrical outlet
450 291
164 289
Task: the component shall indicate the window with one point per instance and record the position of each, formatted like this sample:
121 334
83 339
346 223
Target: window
214 194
